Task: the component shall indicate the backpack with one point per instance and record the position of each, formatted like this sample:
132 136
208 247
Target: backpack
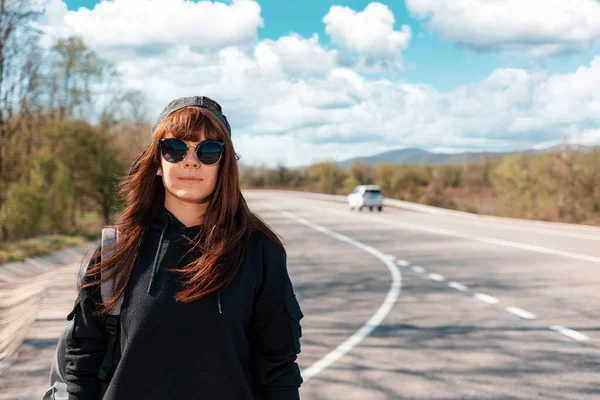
58 388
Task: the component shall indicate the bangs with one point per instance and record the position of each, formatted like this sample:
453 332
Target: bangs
188 124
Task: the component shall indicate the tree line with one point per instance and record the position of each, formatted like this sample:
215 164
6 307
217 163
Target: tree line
54 164
555 186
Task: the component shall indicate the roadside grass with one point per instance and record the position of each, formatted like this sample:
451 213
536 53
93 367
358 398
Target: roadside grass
89 227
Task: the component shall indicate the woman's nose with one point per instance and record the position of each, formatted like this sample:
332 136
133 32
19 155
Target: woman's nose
191 158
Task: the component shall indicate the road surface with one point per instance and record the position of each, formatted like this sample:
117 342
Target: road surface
407 305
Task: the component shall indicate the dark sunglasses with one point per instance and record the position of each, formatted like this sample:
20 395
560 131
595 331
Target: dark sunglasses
208 152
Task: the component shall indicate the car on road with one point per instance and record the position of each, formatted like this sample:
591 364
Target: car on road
369 196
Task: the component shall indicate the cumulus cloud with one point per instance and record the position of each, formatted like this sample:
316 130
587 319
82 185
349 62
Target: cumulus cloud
343 114
585 137
157 24
369 33
536 27
562 99
295 55
290 101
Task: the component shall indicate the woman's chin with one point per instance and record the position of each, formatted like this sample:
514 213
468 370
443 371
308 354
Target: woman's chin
190 196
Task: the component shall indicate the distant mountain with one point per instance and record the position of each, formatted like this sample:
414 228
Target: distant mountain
416 156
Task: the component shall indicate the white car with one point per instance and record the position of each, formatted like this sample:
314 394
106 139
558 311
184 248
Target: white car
366 196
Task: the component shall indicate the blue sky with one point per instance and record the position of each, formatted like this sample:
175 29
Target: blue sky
436 61
444 76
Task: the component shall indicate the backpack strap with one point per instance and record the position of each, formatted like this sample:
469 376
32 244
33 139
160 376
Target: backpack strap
109 237
111 324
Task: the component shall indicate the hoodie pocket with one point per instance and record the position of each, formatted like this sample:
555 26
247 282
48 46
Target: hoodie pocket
72 321
74 310
293 308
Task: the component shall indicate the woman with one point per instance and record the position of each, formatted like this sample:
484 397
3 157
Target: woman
208 310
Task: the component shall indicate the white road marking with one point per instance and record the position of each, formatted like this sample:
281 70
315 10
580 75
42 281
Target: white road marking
478 238
374 321
541 227
436 277
486 298
458 286
510 226
350 343
570 333
418 269
521 313
403 263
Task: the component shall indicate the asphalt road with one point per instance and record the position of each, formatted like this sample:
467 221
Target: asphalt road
406 305
473 322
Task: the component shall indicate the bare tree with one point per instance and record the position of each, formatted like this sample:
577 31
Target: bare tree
18 72
75 69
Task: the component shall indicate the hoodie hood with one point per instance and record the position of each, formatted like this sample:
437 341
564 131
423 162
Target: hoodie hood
172 228
165 220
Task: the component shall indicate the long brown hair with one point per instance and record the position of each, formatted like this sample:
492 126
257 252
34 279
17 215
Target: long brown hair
226 229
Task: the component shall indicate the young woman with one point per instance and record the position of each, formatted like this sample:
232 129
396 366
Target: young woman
207 308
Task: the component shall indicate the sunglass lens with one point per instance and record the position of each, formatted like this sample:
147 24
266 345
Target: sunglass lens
173 150
209 152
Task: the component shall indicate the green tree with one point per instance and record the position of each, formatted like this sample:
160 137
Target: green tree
409 182
359 173
326 176
578 180
23 209
253 176
385 178
448 175
526 180
95 162
589 178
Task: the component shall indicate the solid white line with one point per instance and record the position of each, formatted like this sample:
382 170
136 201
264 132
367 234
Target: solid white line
374 321
570 333
458 286
418 269
436 277
521 313
403 263
486 298
478 238
511 226
522 225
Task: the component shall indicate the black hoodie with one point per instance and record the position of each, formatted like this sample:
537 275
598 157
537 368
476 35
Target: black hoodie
235 344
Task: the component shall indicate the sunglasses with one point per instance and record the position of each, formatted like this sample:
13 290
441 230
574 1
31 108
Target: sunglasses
208 152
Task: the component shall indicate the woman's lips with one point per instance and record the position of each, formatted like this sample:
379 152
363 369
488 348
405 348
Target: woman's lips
188 179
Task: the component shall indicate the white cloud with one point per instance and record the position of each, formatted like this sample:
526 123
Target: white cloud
295 55
537 27
585 137
149 26
290 150
369 32
563 99
288 100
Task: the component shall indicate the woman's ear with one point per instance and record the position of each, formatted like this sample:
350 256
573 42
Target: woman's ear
159 172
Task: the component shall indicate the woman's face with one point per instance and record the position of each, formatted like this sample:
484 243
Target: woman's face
189 180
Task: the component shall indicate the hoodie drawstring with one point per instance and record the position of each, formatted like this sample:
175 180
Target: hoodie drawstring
219 301
167 218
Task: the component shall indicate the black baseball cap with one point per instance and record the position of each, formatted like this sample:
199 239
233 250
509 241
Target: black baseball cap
194 101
